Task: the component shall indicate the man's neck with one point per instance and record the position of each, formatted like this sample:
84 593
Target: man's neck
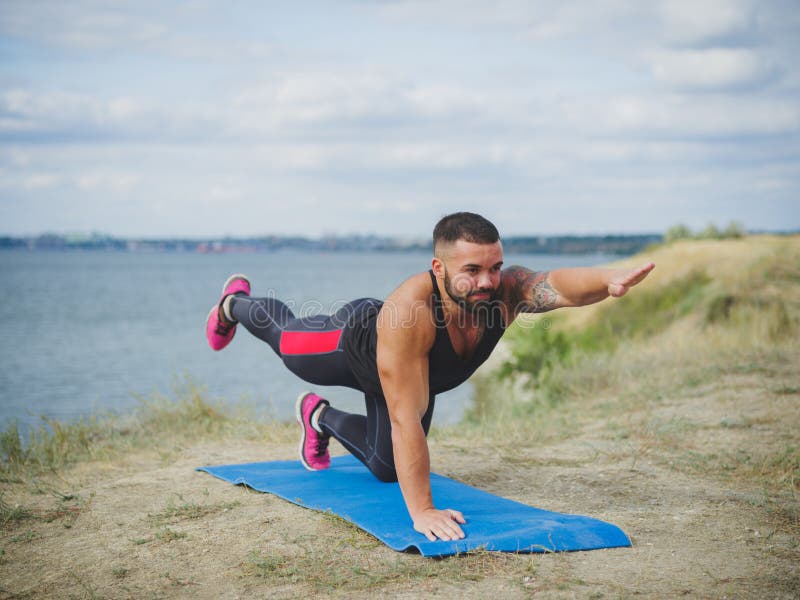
462 316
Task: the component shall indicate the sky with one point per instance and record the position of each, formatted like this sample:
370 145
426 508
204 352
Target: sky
205 119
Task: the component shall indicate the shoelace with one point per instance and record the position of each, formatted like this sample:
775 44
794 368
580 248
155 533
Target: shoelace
322 443
221 328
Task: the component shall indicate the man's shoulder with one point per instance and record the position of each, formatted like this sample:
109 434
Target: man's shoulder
407 310
418 287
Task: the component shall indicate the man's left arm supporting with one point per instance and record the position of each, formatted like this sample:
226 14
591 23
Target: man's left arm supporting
540 291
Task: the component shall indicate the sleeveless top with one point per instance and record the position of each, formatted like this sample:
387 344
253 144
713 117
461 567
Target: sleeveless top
446 369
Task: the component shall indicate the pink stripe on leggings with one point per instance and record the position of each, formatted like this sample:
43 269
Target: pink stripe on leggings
310 342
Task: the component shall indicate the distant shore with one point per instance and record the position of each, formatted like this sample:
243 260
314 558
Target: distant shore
613 244
566 244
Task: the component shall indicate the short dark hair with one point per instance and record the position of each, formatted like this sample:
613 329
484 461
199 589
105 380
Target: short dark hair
466 226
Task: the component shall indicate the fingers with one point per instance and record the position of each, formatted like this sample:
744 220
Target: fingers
616 290
440 532
636 275
632 278
642 272
447 532
456 516
442 525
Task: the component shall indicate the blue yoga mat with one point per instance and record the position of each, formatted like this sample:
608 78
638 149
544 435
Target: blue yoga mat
350 491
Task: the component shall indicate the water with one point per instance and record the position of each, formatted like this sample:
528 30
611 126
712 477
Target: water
89 331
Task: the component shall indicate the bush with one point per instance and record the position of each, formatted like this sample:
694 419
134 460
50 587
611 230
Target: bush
734 230
535 351
677 232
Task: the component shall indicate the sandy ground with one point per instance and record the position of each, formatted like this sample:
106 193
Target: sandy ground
150 526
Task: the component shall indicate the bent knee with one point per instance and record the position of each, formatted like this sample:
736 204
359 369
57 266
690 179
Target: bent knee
384 473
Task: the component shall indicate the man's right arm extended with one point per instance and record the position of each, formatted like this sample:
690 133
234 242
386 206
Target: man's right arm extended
403 370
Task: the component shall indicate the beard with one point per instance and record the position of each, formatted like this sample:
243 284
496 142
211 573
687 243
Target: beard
466 301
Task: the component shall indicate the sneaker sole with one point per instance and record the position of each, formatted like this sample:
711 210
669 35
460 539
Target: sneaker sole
211 313
299 415
230 280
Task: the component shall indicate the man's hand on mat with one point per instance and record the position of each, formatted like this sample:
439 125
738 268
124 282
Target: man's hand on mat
625 279
442 524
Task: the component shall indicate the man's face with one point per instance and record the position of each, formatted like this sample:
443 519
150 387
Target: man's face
472 273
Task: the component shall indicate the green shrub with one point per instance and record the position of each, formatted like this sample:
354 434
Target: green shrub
536 351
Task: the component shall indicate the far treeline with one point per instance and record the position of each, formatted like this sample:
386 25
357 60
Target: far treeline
621 245
710 232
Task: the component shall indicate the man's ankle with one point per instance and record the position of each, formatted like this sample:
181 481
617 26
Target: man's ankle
315 417
224 311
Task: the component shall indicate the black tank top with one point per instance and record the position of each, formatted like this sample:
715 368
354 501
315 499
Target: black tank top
446 368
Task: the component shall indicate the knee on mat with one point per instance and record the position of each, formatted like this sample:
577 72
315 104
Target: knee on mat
384 473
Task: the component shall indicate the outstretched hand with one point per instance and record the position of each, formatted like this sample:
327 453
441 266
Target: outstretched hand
442 524
625 279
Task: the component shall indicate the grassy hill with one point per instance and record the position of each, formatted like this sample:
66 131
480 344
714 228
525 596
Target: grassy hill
709 306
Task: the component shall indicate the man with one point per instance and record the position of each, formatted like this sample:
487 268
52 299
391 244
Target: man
404 351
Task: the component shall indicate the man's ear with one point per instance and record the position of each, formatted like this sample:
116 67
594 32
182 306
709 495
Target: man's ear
438 267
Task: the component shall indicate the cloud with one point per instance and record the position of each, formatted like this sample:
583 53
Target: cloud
351 105
57 111
711 22
711 69
531 19
111 181
152 29
25 110
40 181
680 115
308 97
65 116
224 192
79 25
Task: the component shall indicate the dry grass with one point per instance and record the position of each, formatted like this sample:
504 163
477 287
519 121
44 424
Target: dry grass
188 509
186 415
739 308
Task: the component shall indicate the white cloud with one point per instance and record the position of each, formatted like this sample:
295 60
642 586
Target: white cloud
113 181
40 111
710 69
689 116
40 181
79 116
123 109
534 19
31 110
383 207
135 28
224 192
692 22
445 100
85 26
311 98
352 100
430 155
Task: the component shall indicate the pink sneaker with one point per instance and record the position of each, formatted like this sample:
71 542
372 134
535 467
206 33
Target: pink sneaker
313 445
220 332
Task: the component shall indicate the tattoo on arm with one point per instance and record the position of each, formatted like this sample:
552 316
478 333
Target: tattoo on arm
529 291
